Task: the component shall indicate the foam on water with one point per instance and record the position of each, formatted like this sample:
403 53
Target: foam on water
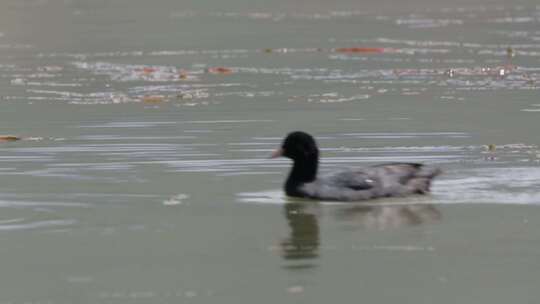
513 185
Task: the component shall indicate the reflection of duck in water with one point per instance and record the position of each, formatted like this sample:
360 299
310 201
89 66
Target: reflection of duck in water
303 242
387 217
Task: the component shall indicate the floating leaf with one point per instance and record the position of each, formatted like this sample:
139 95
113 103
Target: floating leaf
148 70
9 138
219 70
153 98
360 50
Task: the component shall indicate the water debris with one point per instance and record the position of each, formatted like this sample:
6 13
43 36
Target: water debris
524 152
6 138
332 97
219 70
148 70
510 53
50 68
295 289
373 50
291 50
153 98
183 75
127 72
18 81
176 200
490 151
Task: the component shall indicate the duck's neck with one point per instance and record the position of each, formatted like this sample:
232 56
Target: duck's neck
303 171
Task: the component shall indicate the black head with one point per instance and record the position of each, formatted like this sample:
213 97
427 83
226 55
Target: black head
299 145
302 149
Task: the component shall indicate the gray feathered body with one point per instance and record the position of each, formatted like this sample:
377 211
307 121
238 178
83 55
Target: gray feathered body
386 180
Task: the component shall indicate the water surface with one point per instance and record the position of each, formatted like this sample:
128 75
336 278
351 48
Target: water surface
142 175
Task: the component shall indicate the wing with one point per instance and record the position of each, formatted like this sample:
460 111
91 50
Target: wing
406 178
352 179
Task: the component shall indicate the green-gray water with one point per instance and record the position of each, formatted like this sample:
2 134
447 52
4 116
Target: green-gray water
143 175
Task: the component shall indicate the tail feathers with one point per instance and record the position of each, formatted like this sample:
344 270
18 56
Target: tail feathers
419 185
428 172
421 182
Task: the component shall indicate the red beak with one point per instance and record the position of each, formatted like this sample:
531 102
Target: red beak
277 153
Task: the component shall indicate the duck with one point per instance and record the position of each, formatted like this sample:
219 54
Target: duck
354 184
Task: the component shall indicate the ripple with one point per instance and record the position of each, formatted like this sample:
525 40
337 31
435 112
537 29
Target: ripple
416 23
176 199
513 185
108 137
22 204
40 225
264 197
130 124
397 135
128 72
